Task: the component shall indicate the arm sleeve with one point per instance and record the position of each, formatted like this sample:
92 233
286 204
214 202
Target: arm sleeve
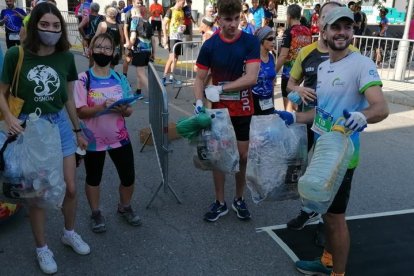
368 75
203 59
80 94
72 72
286 39
296 71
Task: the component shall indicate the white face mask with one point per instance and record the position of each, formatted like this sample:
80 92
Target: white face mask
49 38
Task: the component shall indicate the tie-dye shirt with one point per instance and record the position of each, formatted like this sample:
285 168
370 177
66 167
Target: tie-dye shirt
106 131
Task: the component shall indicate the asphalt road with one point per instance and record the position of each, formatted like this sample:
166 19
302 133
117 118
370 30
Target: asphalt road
174 240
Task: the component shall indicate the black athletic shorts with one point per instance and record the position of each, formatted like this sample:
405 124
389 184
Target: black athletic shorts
140 59
156 25
283 86
123 158
241 125
178 50
341 199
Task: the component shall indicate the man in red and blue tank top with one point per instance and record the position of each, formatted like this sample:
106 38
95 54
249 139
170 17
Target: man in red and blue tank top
233 58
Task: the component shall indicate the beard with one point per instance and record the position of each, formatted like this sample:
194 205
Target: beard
331 44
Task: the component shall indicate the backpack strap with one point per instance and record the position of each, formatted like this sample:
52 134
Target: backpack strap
88 80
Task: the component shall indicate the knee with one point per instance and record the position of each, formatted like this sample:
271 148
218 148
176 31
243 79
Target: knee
334 222
70 191
243 158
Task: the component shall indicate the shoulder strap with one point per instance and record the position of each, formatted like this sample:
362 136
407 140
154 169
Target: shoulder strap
88 80
15 82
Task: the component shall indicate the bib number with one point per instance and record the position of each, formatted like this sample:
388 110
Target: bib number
14 37
266 104
323 121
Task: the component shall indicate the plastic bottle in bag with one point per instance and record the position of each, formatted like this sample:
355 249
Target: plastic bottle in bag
324 175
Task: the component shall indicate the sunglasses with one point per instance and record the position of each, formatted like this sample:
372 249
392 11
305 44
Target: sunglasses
270 38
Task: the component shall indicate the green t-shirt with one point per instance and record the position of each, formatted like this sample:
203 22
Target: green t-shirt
43 79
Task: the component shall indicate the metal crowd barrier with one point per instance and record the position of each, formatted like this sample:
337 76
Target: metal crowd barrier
385 53
184 71
158 119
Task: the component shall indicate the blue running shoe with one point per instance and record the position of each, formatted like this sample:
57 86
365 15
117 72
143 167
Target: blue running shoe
240 207
140 96
216 210
313 267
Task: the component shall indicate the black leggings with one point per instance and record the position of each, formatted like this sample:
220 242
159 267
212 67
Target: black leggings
123 159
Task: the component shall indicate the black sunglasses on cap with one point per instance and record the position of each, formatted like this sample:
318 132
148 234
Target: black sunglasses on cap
270 38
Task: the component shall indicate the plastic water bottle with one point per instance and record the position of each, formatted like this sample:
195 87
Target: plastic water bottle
294 97
324 175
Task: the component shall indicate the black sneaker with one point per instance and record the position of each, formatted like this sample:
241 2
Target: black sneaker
240 207
98 222
302 220
216 210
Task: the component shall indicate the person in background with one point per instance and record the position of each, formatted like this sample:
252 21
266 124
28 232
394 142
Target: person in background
173 29
382 32
315 20
357 17
142 52
210 12
113 28
189 21
349 91
363 19
12 19
263 90
106 132
88 27
47 45
411 30
248 14
206 28
272 14
157 12
233 57
258 13
244 25
295 37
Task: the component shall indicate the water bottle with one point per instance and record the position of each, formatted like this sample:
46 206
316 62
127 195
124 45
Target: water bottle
324 175
294 97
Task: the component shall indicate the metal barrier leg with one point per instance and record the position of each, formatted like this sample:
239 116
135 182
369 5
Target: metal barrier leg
146 141
178 92
157 191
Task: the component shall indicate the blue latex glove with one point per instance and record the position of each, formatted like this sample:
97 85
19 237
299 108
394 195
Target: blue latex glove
288 117
355 121
198 107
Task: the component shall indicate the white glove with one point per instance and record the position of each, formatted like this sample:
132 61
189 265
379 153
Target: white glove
198 106
355 120
213 92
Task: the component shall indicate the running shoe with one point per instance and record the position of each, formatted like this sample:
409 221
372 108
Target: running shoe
302 220
240 207
216 210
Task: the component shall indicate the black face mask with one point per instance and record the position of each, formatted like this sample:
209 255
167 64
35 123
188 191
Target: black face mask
101 59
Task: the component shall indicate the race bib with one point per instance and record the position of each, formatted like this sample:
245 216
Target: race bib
14 36
323 121
230 96
266 104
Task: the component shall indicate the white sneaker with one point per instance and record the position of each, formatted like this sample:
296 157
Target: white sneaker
46 261
78 245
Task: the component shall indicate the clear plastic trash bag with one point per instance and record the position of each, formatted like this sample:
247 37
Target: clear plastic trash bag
216 147
326 170
34 165
275 152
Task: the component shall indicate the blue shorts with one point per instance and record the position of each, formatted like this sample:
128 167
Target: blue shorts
67 137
